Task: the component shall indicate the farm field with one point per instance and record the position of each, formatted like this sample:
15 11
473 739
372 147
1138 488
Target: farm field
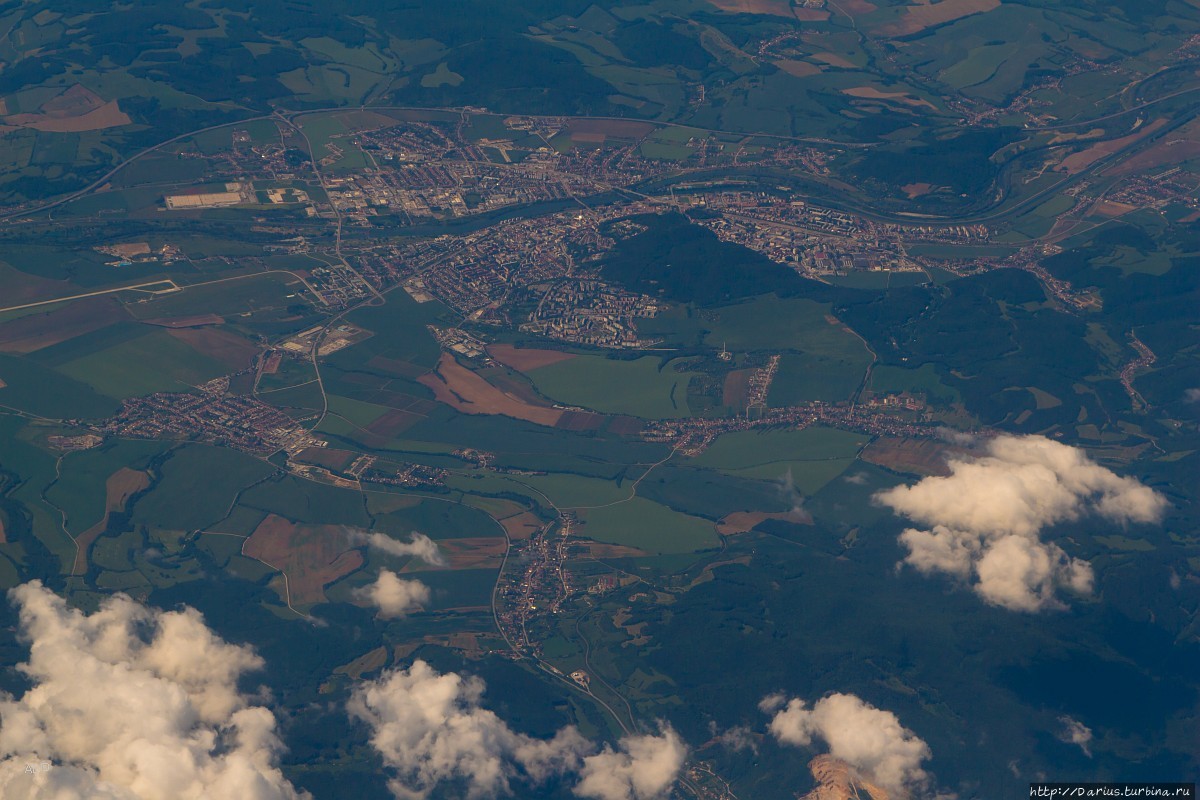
156 361
644 387
631 400
648 526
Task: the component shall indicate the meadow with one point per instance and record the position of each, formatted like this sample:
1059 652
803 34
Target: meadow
643 387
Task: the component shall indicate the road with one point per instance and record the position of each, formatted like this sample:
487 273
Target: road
69 298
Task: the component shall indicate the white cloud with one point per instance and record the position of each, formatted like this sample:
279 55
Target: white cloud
1022 574
985 518
736 738
133 703
393 596
641 768
1191 396
870 740
431 727
1075 732
421 546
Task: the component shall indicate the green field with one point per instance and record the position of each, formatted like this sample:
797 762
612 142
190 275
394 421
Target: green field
153 362
307 501
198 487
806 477
642 388
646 525
236 299
80 488
562 490
437 518
355 412
771 323
741 450
573 491
979 65
810 376
39 390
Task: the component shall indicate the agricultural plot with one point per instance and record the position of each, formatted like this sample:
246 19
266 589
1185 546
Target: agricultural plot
80 490
119 488
647 526
153 362
310 556
644 387
809 376
41 390
441 519
198 488
741 449
49 325
468 393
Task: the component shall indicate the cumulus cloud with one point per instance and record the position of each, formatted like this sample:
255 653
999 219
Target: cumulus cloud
431 727
641 768
792 496
1075 732
421 546
985 518
393 596
736 738
870 740
1192 396
133 703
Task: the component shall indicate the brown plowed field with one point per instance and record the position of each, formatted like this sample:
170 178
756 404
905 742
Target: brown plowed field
1077 162
230 349
871 93
466 392
1180 146
626 426
18 287
394 366
311 556
916 456
745 521
35 331
919 17
776 8
834 60
619 128
602 550
800 69
509 382
108 115
736 389
393 422
472 552
521 526
327 457
524 359
581 421
120 486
